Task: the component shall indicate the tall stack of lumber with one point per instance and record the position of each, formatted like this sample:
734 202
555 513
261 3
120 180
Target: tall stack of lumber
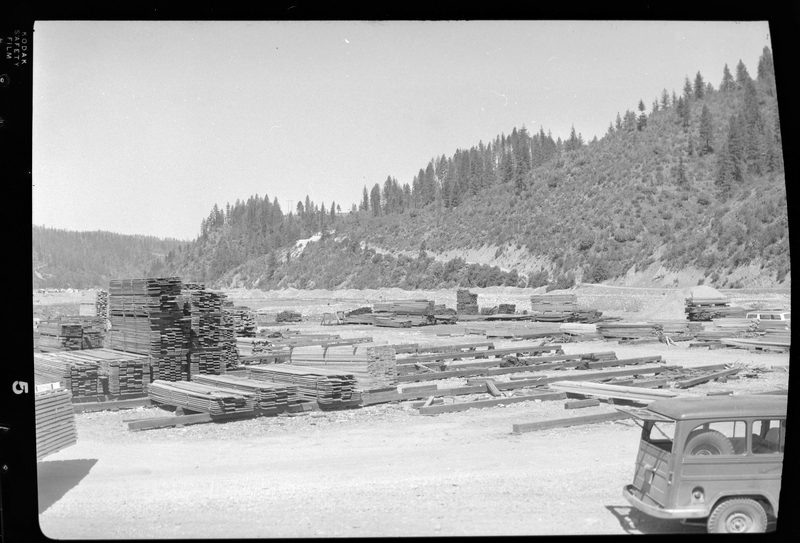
628 330
55 421
706 309
466 302
229 355
80 377
244 320
313 384
200 397
146 318
60 336
204 310
267 395
101 304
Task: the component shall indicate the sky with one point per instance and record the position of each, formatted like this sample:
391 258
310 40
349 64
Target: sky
141 127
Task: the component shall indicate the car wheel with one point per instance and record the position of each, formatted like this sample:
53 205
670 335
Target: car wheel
736 516
707 442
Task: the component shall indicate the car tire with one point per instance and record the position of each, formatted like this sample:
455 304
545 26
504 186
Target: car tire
740 515
706 443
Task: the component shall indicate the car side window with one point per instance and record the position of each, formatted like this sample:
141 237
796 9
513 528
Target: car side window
768 436
722 437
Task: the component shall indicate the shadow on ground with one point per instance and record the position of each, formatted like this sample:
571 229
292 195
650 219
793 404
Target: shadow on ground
634 521
57 477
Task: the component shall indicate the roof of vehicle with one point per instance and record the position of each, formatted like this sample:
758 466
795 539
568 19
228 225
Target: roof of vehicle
702 407
769 311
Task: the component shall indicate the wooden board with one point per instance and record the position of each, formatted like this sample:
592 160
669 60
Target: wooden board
452 408
572 421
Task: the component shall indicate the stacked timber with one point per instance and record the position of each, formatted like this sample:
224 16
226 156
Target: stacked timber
488 310
203 308
585 315
267 395
405 307
55 421
122 373
507 309
101 304
193 286
373 367
358 311
628 330
229 354
248 346
81 378
289 316
466 302
706 309
203 398
581 331
553 307
313 384
147 318
244 321
60 336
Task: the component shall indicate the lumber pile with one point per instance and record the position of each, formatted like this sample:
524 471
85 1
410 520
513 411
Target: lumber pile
289 316
120 373
405 307
628 330
244 321
229 354
553 306
267 395
203 308
706 309
55 421
101 304
146 318
373 367
602 390
313 384
466 302
581 331
507 309
81 378
60 336
202 398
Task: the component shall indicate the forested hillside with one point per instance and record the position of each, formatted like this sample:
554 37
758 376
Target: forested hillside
683 180
68 259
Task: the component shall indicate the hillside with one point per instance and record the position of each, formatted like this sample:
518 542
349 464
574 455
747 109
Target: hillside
689 191
68 259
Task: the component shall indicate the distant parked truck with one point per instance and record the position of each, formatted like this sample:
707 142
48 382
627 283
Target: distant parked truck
771 319
711 460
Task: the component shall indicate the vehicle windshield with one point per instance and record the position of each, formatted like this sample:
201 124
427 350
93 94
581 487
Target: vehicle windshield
659 433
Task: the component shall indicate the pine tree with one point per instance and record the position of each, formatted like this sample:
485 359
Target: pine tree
706 131
680 177
664 99
364 200
687 90
618 122
699 86
655 106
727 81
742 76
641 123
375 200
766 70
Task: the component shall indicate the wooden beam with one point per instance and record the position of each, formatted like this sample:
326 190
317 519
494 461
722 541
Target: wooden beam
572 421
463 406
492 389
474 354
111 405
686 383
579 404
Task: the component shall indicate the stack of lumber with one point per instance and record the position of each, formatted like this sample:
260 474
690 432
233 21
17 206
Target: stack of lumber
60 336
123 373
244 321
442 310
81 378
405 307
313 384
586 315
358 311
628 330
101 304
581 331
466 302
488 310
508 309
147 318
289 316
203 398
203 308
706 309
762 343
733 325
552 306
229 355
55 421
193 286
248 346
372 367
267 395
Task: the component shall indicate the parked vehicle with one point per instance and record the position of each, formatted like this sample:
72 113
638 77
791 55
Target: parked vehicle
714 460
770 319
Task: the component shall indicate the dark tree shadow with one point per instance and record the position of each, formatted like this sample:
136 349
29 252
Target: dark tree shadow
57 477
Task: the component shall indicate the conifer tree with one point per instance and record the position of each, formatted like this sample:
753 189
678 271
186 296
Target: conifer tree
727 81
641 122
742 75
364 200
706 131
664 99
618 122
655 106
687 90
680 177
699 87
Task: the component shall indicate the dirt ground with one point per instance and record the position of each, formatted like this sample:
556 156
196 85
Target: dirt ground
382 470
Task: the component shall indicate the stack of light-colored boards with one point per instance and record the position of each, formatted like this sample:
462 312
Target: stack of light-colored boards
244 320
628 330
126 373
55 421
706 309
372 367
60 336
313 384
466 302
199 397
204 310
267 395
